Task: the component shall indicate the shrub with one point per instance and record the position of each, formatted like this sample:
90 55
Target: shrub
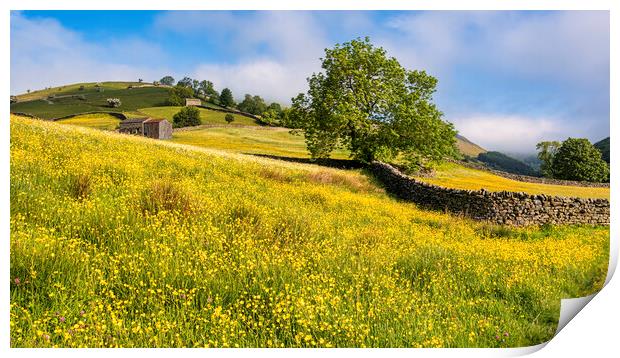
81 88
114 102
187 116
229 118
80 186
165 195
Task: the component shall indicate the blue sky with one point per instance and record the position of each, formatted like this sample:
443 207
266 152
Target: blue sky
507 79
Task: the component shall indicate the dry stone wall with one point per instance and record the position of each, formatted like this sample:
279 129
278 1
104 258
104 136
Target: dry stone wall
506 208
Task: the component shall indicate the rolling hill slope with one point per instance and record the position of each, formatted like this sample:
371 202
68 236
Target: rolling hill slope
202 247
467 147
452 175
206 116
90 100
148 100
603 147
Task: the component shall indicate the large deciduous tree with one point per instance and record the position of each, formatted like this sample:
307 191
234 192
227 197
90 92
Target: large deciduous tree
368 103
578 159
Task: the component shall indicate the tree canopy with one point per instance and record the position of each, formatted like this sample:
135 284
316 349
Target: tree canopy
252 104
226 98
167 80
187 116
177 95
578 159
546 152
368 103
207 89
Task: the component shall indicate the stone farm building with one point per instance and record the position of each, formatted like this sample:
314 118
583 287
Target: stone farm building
192 102
148 127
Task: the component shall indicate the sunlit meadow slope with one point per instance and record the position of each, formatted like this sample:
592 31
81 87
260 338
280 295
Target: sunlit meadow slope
452 175
127 241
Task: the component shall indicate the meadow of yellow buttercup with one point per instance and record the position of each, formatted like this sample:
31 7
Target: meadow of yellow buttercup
131 242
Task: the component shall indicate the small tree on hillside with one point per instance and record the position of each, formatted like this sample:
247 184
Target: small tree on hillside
368 103
167 80
226 98
187 116
229 118
208 90
185 82
578 159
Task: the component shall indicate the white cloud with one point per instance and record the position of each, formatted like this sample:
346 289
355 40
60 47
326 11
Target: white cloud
276 51
44 53
566 46
512 133
272 80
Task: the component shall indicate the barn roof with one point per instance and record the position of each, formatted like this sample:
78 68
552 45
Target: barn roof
151 120
134 120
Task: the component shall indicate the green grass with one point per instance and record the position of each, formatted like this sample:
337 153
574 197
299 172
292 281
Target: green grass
96 120
131 100
202 247
74 89
260 140
452 175
206 116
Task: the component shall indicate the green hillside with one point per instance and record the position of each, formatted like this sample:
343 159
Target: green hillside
453 175
603 147
96 120
125 241
75 88
206 116
501 161
260 140
90 100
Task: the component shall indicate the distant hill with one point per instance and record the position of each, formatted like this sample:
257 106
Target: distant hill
68 100
603 147
467 147
501 161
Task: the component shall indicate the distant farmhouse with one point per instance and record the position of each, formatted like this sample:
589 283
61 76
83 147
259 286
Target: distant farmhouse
148 127
192 102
